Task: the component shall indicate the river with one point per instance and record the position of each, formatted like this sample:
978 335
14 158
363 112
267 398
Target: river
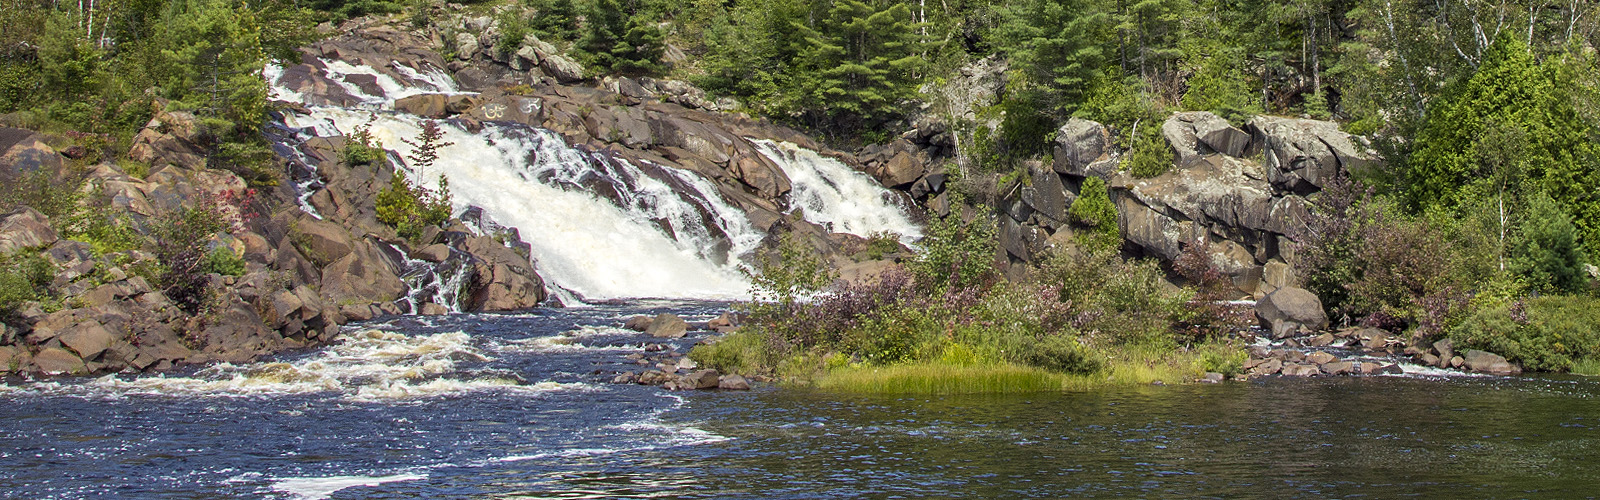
511 406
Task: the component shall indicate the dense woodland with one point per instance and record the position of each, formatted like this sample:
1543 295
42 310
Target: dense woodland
1486 114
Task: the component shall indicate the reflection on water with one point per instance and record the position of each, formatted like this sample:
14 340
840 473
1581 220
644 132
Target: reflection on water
319 425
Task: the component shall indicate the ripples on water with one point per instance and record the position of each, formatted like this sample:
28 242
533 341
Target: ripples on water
510 407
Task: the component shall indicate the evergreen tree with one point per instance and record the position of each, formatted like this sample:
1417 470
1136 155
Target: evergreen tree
1510 92
1061 46
619 40
861 61
1546 251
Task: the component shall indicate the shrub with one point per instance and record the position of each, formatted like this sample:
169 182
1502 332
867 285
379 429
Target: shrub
409 209
1093 209
956 253
1545 333
222 261
880 245
1112 300
1547 251
180 244
360 147
24 276
1062 353
1149 155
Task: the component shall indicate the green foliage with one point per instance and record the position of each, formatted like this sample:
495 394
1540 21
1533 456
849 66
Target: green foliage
181 238
743 351
1112 300
1059 44
1062 354
881 245
621 40
24 276
956 253
1093 210
1546 251
1511 101
1221 87
221 260
361 148
554 19
797 273
1150 156
1545 333
410 208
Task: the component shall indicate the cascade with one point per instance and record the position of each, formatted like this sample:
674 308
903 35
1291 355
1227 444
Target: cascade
600 226
830 193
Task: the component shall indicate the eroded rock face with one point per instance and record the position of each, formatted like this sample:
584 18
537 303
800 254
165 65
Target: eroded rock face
1303 155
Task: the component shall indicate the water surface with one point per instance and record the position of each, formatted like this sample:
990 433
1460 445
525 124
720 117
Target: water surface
483 406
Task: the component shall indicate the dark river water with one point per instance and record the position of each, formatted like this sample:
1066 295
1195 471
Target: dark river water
508 407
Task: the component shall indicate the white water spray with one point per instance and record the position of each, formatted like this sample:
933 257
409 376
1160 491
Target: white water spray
830 193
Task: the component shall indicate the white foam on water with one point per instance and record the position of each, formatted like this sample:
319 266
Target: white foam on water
372 365
831 194
319 488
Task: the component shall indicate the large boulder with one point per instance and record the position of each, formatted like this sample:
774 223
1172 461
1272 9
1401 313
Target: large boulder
563 68
1303 155
169 138
23 151
1083 148
668 325
58 361
1286 310
25 228
503 280
1488 362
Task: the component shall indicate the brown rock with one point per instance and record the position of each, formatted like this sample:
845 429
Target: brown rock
1299 370
1338 368
637 323
1321 358
1287 309
1323 340
667 325
1487 362
88 339
25 228
323 241
1268 367
432 309
434 253
13 359
733 383
58 361
700 379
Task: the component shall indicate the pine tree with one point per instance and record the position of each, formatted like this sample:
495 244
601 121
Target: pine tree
620 41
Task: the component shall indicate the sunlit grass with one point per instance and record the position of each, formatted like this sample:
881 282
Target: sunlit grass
940 378
1124 366
1587 366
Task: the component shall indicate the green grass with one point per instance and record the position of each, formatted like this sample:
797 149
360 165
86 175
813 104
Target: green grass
940 378
1586 366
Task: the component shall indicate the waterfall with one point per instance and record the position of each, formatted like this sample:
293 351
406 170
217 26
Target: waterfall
600 226
831 194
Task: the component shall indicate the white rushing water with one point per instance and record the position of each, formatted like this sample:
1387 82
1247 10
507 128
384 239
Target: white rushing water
830 193
602 227
531 180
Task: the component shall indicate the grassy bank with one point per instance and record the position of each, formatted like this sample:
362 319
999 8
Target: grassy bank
946 323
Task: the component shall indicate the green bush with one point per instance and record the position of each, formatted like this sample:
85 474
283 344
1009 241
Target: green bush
956 253
361 148
1062 353
1547 251
221 260
24 276
1549 333
409 209
1113 300
1093 209
1149 156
